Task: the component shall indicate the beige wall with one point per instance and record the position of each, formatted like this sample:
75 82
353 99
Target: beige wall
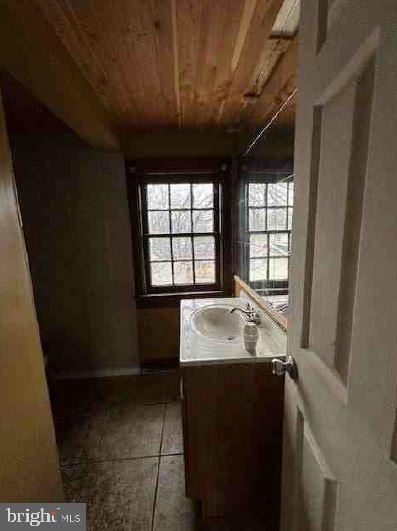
275 144
29 468
180 144
158 332
278 144
76 222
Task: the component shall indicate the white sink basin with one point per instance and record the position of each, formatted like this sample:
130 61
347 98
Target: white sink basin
217 323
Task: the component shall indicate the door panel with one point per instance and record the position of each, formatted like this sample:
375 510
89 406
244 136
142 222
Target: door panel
353 218
317 495
331 208
339 469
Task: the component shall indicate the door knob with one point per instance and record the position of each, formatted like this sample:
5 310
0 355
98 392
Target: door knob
279 367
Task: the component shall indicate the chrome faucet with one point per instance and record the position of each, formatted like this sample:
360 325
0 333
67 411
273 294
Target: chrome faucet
249 314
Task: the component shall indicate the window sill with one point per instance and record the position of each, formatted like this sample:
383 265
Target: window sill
159 300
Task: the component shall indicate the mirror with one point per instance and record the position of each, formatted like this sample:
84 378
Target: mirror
264 233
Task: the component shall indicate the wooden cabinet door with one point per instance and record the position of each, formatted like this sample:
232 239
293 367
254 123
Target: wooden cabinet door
233 424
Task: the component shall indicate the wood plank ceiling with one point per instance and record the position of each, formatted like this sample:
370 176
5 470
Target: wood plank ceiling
180 64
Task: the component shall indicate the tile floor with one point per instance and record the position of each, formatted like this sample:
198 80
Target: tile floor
121 449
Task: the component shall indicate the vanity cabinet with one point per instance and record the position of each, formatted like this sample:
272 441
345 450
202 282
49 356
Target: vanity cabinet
232 423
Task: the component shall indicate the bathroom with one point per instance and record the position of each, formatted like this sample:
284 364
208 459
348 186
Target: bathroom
113 349
188 268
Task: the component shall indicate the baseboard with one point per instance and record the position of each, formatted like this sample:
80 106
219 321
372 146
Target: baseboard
101 373
160 364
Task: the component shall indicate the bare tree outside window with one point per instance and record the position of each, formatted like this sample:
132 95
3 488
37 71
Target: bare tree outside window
181 233
269 225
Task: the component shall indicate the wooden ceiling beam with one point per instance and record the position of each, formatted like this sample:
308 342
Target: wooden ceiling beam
33 54
63 21
280 85
259 30
271 55
274 49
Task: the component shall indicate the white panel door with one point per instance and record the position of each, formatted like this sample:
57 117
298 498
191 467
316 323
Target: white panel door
340 428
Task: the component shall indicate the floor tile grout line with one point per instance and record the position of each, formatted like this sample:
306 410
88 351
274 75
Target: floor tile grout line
158 469
117 459
164 402
162 428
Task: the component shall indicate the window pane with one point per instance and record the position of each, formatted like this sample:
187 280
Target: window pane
205 272
257 219
183 273
203 195
258 269
204 247
258 244
278 269
182 248
256 194
277 219
203 221
290 210
278 244
180 195
277 300
160 249
181 221
277 194
291 194
157 196
161 273
159 222
176 214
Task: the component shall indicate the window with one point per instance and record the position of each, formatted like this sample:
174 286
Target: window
269 235
180 232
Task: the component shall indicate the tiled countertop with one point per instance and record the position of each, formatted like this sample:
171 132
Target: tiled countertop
195 349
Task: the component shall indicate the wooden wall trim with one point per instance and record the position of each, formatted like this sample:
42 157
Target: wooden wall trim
240 285
137 171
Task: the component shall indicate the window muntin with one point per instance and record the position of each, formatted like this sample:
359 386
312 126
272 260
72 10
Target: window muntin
269 220
181 234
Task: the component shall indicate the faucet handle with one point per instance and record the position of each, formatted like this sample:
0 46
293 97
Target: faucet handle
280 367
254 313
